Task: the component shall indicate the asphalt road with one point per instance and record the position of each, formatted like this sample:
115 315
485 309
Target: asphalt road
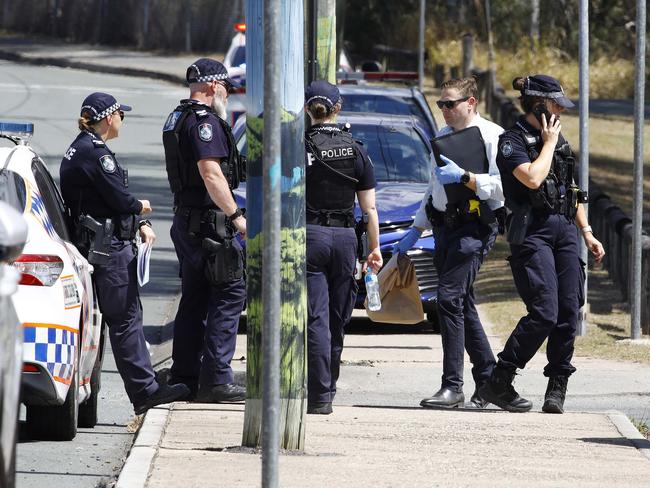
50 98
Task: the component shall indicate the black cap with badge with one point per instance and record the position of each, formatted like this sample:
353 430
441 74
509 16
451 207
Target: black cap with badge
322 92
204 70
101 105
546 87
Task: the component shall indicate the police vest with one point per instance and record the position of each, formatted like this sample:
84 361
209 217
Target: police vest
555 194
184 177
331 176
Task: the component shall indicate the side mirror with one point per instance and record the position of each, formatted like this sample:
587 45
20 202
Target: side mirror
13 232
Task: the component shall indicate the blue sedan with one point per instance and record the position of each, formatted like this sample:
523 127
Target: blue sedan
399 148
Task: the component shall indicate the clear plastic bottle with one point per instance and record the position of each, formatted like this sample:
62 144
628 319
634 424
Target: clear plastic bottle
372 290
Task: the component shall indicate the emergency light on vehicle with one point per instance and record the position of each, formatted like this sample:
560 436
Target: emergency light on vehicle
240 27
38 269
357 76
16 131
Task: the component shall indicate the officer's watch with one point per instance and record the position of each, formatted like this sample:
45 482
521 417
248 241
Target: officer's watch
238 213
465 178
145 222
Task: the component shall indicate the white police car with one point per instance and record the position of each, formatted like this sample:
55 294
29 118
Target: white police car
13 233
55 301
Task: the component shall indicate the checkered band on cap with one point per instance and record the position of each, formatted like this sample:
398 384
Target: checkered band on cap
104 113
320 97
535 93
206 78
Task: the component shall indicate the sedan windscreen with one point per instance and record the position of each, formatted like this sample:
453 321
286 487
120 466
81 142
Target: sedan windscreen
382 104
398 153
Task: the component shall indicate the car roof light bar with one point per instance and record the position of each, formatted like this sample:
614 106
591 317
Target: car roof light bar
377 76
16 131
240 27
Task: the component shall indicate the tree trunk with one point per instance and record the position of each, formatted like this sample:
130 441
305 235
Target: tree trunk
534 24
326 41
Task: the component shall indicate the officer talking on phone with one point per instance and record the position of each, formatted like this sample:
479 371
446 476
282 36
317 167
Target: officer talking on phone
547 216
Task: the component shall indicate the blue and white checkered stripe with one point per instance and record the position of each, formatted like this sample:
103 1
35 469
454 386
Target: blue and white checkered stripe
38 210
52 347
104 113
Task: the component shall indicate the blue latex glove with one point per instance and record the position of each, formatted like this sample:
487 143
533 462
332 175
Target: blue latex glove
406 242
449 173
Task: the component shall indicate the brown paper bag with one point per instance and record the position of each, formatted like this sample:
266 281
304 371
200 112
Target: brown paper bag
399 292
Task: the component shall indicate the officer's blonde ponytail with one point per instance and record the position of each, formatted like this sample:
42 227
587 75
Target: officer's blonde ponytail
320 111
85 122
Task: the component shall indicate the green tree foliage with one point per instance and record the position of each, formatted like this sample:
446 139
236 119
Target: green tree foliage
371 22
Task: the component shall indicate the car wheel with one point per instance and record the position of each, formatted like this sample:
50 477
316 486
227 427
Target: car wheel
432 318
57 423
88 409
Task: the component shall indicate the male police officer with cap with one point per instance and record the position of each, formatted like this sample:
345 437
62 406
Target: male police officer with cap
463 239
338 168
203 167
95 189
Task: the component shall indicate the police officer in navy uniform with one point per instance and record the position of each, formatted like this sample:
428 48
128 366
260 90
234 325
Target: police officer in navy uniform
203 168
464 233
338 168
94 184
537 170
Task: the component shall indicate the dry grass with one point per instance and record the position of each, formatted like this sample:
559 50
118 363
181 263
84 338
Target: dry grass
608 319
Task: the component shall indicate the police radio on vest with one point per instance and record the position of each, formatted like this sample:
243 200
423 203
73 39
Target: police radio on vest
339 152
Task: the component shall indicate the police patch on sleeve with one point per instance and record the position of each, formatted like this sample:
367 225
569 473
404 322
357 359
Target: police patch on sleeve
205 132
506 149
108 163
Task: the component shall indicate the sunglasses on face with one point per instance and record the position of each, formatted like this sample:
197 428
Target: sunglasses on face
120 113
449 104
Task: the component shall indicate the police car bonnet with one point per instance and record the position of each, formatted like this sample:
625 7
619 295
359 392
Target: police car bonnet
101 105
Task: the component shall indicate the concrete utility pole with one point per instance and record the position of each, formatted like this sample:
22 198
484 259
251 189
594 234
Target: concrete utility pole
637 215
583 20
288 172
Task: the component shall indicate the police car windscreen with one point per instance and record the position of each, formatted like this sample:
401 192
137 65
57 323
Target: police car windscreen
383 104
398 153
12 190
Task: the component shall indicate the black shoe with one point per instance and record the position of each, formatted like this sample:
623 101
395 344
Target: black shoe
322 408
477 401
164 394
555 394
499 390
227 393
444 398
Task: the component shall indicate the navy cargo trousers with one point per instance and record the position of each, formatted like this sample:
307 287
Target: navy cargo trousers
331 292
549 276
458 258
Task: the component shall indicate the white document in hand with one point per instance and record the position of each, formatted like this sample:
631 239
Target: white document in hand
144 253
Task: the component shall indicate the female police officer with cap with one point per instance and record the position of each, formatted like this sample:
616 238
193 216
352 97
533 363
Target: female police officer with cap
536 168
337 169
94 184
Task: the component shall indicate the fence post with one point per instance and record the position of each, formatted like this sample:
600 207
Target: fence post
468 54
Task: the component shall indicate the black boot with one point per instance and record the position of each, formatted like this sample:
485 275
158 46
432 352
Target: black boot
555 394
477 401
499 390
444 398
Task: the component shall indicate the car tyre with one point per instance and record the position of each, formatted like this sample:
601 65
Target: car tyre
432 318
55 423
88 409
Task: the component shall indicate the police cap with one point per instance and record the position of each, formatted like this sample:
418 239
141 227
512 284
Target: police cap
322 92
546 87
101 105
204 70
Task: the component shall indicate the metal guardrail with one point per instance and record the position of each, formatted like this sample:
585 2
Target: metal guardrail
612 226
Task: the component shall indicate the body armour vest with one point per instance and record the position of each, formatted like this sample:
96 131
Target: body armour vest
184 178
555 194
331 181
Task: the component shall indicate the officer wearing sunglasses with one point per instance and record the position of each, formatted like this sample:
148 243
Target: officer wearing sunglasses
461 245
95 184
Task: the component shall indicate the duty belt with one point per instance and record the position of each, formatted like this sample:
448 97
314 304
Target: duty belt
330 219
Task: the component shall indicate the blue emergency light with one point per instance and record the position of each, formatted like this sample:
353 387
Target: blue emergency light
16 129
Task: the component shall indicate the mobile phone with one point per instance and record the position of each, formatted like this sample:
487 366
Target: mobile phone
540 109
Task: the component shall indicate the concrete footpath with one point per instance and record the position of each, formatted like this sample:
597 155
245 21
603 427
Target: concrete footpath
379 437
